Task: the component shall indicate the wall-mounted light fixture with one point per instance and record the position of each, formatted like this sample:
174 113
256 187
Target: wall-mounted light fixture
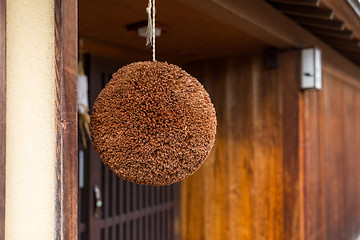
311 69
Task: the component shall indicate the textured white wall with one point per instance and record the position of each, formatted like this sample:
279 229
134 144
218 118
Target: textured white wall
30 142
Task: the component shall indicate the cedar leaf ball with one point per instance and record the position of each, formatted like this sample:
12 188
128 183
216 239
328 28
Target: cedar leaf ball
153 123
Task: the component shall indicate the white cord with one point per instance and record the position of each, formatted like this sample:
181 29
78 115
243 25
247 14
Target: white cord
153 29
149 26
150 32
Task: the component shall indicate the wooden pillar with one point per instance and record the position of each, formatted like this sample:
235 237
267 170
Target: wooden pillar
41 120
66 51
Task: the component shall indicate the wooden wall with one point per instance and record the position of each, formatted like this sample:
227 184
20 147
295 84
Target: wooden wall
249 186
332 160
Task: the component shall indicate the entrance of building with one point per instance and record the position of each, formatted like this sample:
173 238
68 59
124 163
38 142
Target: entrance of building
111 208
110 30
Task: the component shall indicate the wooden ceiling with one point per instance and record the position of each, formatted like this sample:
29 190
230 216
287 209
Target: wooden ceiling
187 33
321 20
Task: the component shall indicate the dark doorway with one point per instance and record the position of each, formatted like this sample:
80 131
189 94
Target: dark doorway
111 208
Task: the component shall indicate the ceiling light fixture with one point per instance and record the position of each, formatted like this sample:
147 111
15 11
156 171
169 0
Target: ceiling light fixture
141 28
142 31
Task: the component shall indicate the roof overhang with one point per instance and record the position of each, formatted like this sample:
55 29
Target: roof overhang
263 21
355 4
335 22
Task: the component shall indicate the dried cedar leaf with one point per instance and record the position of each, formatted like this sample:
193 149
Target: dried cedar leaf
153 123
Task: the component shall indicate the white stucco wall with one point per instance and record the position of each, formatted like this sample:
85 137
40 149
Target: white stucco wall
30 141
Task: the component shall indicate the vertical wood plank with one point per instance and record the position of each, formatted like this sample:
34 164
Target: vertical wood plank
134 197
242 188
267 143
2 115
221 165
105 191
113 194
192 205
66 206
121 196
152 226
128 197
291 138
135 229
140 197
147 196
331 160
95 166
175 218
129 231
140 228
125 198
163 225
302 166
158 225
236 213
168 216
118 231
147 228
106 197
116 195
152 195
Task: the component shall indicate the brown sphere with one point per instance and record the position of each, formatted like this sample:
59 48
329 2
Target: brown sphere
153 123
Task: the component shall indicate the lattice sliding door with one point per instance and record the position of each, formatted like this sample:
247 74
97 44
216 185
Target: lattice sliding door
129 211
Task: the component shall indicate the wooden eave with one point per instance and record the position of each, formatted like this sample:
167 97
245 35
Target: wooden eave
215 28
334 22
265 22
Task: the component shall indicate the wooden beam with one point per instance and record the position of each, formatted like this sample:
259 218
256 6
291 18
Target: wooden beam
259 19
348 50
319 23
249 17
2 116
344 12
66 38
345 34
354 56
335 41
352 53
112 50
314 12
314 3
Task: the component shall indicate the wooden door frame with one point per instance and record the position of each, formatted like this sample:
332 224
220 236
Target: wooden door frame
66 52
2 115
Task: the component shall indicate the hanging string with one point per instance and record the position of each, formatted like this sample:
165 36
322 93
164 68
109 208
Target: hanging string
149 26
153 28
150 32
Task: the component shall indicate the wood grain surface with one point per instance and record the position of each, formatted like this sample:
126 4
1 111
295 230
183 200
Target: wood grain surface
276 29
332 160
2 115
249 186
66 207
186 33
